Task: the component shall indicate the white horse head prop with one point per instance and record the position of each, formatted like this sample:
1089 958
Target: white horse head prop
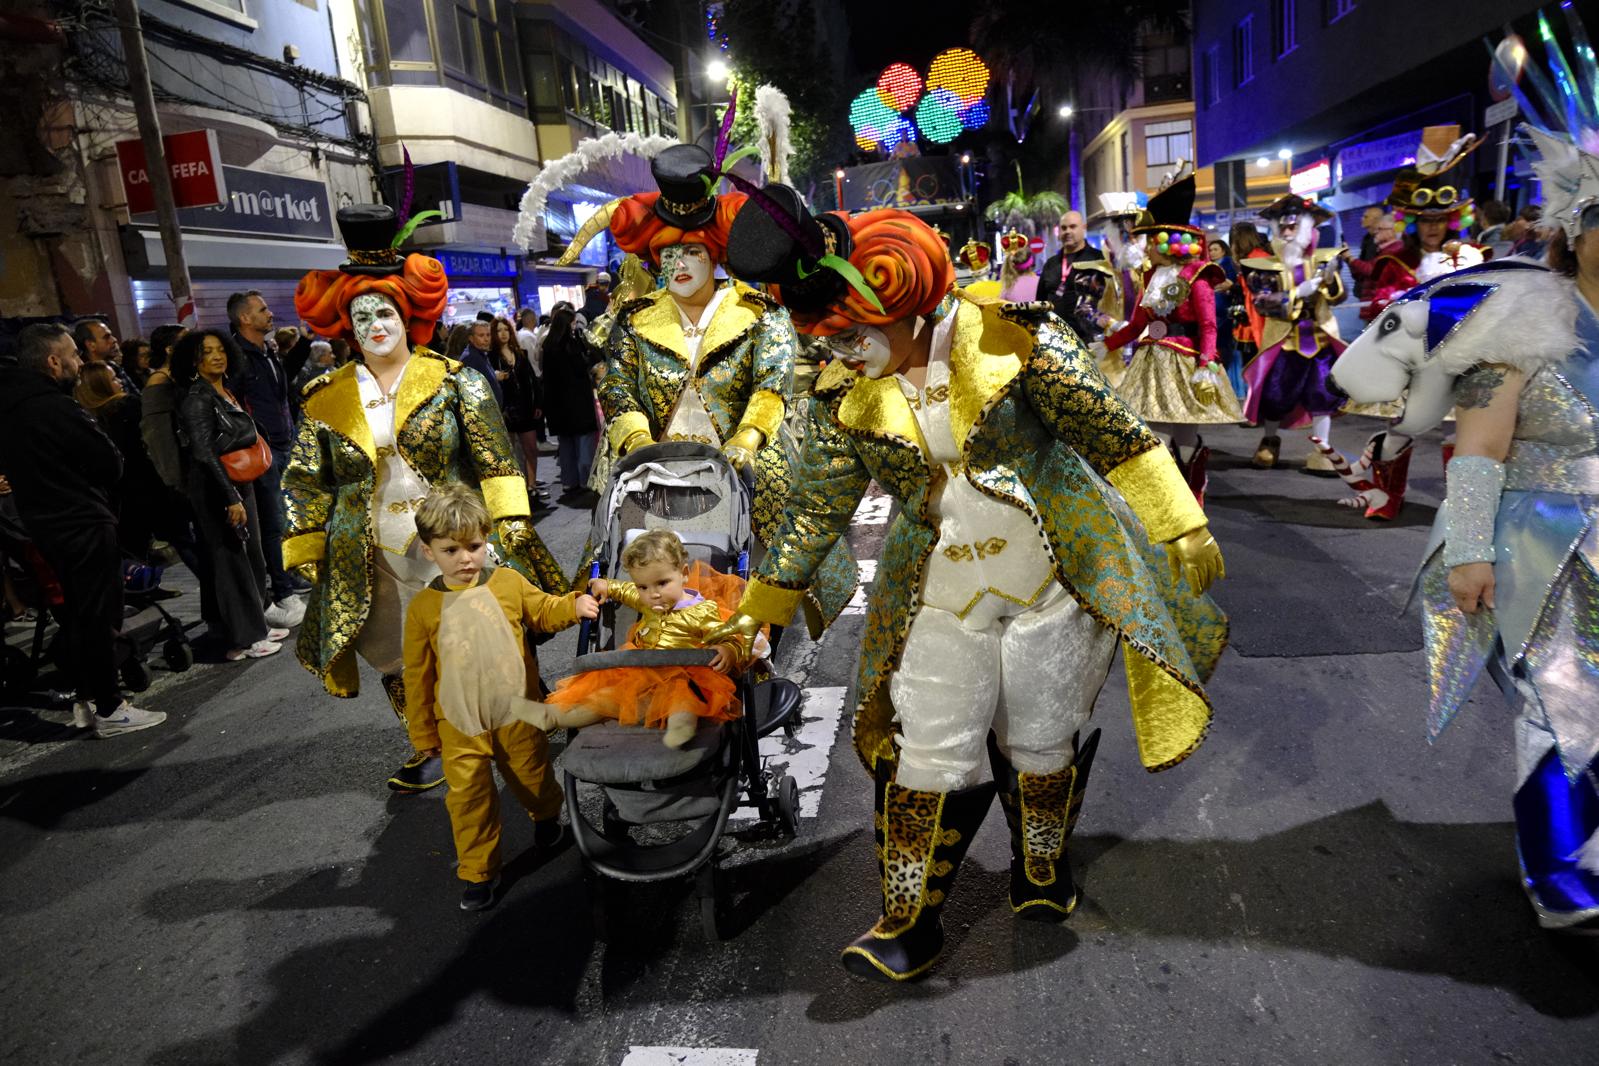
1513 312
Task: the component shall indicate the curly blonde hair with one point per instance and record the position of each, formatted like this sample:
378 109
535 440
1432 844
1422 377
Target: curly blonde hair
656 546
453 511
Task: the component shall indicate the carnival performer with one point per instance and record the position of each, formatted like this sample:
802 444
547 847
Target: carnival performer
1018 272
1432 208
699 360
377 436
1100 297
983 420
1294 293
1173 379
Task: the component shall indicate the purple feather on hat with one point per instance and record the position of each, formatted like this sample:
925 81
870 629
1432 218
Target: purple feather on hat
779 214
725 134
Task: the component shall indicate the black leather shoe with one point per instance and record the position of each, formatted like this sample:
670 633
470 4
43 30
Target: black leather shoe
418 774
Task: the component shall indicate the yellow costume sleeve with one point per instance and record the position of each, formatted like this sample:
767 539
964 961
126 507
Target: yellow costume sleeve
422 670
827 487
618 396
544 613
1154 488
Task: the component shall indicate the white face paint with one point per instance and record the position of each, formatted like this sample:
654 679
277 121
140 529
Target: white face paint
379 329
686 268
865 348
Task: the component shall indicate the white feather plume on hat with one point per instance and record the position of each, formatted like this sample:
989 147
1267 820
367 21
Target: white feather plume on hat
772 118
529 232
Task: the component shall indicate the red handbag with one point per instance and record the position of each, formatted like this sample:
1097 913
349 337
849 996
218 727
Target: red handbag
247 463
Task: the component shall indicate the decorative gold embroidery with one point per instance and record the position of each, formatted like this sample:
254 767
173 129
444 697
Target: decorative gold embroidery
958 553
990 547
985 549
936 394
384 451
379 402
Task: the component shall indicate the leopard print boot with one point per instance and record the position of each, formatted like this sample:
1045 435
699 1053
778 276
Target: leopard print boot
921 839
1042 811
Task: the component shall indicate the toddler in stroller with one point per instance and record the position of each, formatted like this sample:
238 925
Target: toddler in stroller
674 614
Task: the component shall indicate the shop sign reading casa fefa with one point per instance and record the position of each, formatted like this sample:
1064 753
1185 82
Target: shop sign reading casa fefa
193 161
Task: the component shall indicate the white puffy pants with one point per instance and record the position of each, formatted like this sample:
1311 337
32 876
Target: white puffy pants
1030 674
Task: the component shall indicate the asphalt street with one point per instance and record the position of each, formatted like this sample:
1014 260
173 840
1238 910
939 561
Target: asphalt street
1317 884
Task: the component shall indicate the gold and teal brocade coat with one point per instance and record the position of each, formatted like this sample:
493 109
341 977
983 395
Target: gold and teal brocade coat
1042 431
745 378
448 428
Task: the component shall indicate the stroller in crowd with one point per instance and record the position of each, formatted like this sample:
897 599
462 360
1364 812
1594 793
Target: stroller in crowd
692 490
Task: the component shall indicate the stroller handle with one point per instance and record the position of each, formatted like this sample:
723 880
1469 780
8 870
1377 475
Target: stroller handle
585 628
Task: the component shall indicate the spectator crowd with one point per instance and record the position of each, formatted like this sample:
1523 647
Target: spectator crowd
121 458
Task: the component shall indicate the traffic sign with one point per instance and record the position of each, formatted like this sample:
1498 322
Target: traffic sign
1035 245
1503 111
194 162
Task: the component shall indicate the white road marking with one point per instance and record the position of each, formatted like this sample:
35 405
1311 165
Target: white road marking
857 602
806 755
689 1056
873 511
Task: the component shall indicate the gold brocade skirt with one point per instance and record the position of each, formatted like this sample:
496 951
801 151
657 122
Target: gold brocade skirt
1159 386
1113 368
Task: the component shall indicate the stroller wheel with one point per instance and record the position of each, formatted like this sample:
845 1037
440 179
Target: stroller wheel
136 676
788 805
712 888
177 655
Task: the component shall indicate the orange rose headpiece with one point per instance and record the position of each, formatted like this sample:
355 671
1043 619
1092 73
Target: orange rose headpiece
834 271
683 210
416 283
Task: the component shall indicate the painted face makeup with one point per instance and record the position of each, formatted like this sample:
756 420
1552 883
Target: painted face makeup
686 268
378 326
865 348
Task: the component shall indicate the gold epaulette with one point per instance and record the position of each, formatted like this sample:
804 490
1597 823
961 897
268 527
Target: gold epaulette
1030 309
318 382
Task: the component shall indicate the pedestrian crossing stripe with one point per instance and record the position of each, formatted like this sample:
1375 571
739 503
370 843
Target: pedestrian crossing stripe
689 1056
807 754
873 511
857 602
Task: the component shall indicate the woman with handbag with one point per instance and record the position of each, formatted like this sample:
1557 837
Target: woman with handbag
226 455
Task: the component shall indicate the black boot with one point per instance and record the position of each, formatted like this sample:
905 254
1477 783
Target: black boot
420 772
1042 810
921 839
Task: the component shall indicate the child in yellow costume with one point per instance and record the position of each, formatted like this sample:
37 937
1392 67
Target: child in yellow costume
672 616
466 663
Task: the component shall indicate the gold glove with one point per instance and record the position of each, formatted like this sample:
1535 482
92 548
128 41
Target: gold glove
1196 556
636 439
740 630
516 536
741 447
311 571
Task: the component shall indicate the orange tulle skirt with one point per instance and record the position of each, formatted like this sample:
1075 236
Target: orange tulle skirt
648 695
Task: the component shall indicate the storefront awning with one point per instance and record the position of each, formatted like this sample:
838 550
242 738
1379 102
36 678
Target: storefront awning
243 256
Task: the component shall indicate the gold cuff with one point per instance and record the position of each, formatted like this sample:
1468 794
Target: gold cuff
770 604
763 412
305 548
1154 488
505 497
624 426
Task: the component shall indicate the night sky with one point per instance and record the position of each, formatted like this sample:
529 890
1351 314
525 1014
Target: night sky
881 33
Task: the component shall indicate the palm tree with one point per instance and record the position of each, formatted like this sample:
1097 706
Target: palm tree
1027 214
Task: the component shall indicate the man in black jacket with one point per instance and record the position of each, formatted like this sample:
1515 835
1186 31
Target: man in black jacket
263 385
1055 281
64 471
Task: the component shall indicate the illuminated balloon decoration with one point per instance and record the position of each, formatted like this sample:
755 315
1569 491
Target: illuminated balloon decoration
949 101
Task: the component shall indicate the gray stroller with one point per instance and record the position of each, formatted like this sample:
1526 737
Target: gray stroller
662 810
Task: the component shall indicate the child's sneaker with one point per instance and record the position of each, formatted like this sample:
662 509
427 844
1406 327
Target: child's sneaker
127 719
479 896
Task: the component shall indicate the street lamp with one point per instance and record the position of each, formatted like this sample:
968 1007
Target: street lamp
716 70
1285 154
1065 111
1263 162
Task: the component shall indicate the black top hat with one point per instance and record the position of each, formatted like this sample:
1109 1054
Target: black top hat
788 253
1171 208
685 201
368 232
1294 204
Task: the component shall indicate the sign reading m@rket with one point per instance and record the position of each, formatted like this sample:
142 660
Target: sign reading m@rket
270 205
192 159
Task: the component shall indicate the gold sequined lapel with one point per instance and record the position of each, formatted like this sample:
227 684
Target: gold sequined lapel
983 359
733 318
337 405
876 408
661 324
423 376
